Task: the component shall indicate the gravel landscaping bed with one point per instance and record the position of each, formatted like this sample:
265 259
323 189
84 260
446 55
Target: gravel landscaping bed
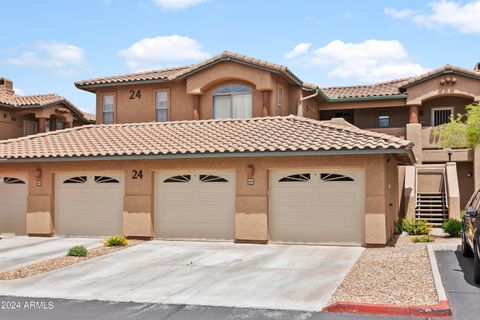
60 262
398 274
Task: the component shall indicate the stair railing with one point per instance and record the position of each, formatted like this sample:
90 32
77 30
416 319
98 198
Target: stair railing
416 187
445 186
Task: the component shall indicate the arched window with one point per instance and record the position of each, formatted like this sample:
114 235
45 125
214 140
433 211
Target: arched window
232 102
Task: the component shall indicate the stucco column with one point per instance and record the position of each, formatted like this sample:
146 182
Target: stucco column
41 125
476 166
196 107
413 114
414 134
265 103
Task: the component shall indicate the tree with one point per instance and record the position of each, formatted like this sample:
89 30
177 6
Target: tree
462 131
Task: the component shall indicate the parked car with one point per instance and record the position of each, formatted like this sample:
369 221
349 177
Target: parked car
471 233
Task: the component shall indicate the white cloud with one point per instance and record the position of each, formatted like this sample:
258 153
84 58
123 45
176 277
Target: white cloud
399 14
367 61
462 17
62 57
150 53
177 4
19 91
299 50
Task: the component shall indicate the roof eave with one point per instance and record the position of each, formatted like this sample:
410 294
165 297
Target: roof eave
366 98
406 151
86 87
465 74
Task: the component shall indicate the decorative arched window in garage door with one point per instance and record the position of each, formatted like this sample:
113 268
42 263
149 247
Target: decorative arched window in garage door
78 179
181 179
300 177
334 177
211 178
12 180
105 179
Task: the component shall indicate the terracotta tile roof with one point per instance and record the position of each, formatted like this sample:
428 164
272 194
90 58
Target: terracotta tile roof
170 74
373 90
269 134
89 117
445 69
41 100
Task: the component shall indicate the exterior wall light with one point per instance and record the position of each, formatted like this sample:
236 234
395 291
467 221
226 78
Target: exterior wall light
38 177
250 174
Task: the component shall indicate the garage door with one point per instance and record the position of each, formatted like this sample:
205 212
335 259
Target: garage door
195 205
13 204
317 206
89 204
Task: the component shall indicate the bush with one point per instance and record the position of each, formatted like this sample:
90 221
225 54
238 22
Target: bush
115 241
415 227
453 227
77 251
423 238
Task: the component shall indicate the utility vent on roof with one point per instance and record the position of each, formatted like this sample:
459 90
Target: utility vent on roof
477 67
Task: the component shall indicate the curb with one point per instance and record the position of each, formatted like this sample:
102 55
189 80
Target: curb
439 310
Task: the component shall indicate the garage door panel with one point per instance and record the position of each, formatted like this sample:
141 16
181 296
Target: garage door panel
13 204
202 208
89 204
327 206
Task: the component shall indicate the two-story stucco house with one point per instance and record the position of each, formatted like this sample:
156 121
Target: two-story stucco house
240 149
25 115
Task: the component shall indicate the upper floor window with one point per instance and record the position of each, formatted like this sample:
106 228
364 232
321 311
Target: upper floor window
232 101
384 120
161 106
59 125
280 100
441 115
108 109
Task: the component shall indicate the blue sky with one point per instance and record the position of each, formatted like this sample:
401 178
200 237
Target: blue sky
47 45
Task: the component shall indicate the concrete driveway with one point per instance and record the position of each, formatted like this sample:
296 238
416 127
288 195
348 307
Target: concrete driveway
289 277
19 251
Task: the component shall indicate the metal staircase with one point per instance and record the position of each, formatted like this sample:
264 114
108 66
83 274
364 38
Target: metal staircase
432 207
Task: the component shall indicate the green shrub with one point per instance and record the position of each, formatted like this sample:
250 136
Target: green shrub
423 238
77 251
415 227
115 240
453 227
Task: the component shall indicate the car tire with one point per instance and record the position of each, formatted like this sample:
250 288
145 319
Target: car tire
466 250
476 265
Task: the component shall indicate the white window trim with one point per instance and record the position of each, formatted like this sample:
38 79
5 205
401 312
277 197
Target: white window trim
432 115
231 94
114 111
168 103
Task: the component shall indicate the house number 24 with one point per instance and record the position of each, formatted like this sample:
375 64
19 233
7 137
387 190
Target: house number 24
135 94
137 174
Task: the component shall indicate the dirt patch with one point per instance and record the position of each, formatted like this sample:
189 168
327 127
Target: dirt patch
60 262
398 274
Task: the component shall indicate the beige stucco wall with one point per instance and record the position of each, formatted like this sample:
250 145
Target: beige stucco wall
202 83
251 217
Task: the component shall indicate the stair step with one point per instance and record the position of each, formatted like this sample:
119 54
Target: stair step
431 193
433 210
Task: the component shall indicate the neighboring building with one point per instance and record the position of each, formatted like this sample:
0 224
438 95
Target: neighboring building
176 154
25 115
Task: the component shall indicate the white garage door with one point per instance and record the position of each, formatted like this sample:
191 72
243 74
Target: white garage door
195 205
317 206
89 204
13 204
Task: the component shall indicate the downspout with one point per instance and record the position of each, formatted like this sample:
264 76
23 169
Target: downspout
300 102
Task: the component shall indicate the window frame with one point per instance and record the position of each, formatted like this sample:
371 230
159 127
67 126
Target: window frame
432 114
114 108
57 121
167 90
280 100
230 95
384 114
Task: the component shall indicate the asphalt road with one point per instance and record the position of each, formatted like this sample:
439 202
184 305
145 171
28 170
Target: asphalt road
61 309
457 276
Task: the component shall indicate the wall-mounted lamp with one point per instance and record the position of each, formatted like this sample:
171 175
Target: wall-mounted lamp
469 174
250 174
38 177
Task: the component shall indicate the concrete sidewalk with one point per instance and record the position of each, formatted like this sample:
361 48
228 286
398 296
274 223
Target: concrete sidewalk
287 277
20 251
